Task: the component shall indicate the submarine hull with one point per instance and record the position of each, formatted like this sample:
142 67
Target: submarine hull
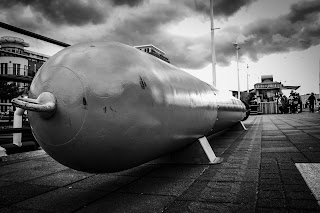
118 107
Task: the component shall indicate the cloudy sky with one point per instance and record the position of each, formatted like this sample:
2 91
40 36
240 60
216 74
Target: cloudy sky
277 37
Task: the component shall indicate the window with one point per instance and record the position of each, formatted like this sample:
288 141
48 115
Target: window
14 69
25 70
18 69
4 68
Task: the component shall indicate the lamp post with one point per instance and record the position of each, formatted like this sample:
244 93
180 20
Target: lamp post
213 51
236 45
247 78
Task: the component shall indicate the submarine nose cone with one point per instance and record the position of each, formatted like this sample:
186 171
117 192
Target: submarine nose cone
69 116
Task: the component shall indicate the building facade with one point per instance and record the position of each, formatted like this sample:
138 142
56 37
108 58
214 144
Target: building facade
17 65
152 50
268 90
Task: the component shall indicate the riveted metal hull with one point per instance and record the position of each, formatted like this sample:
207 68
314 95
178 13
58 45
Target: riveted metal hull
118 107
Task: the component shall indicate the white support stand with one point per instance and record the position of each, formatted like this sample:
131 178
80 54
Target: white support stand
2 152
17 123
239 126
243 126
209 152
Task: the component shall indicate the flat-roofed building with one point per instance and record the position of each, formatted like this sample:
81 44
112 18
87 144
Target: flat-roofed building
155 51
17 64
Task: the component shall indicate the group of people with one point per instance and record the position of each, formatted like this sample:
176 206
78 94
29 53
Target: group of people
293 103
289 104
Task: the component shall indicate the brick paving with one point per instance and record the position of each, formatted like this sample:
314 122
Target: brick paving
258 174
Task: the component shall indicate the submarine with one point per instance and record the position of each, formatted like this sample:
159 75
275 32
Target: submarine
105 107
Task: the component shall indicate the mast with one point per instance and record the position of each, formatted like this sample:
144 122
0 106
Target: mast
213 52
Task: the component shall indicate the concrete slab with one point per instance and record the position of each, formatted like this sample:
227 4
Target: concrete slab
221 192
271 133
158 186
103 182
61 178
6 183
61 200
233 174
274 137
124 202
192 206
15 193
28 174
13 209
178 171
316 136
311 174
280 149
139 171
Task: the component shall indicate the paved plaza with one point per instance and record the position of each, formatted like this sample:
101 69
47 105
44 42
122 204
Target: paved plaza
271 167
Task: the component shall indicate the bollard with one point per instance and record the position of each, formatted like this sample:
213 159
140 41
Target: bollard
17 123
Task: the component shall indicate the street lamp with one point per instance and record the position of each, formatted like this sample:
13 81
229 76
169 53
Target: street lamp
247 78
213 52
236 45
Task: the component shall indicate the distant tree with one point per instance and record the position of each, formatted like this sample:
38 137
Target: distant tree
9 90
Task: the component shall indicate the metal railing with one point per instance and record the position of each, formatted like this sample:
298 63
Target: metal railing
17 71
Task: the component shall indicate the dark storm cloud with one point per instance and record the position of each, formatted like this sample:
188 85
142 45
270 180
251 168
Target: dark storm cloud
147 26
229 7
223 8
302 10
130 3
72 12
298 30
146 22
188 53
142 23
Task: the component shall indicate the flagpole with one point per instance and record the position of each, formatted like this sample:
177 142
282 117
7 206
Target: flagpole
213 53
247 78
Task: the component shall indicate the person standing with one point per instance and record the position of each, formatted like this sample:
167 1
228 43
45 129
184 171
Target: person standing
300 102
291 106
295 103
285 104
312 101
279 102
